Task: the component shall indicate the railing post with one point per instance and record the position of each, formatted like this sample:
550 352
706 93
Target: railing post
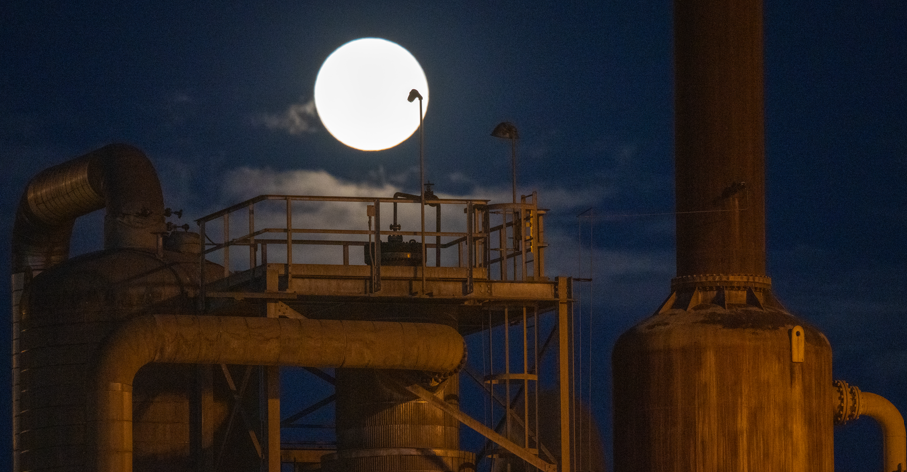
289 240
201 267
376 258
226 245
252 248
522 236
502 242
470 248
438 236
486 238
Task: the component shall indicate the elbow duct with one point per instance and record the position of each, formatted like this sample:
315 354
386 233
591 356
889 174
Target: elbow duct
851 403
251 341
117 177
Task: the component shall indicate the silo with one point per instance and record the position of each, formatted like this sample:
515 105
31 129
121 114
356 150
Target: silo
721 376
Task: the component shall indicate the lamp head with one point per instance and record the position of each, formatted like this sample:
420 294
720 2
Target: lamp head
505 130
414 94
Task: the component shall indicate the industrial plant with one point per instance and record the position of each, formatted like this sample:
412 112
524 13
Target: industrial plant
165 350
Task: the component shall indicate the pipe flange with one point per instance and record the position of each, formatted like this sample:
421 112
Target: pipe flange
689 282
847 405
437 378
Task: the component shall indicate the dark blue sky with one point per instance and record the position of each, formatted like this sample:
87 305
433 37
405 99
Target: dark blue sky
194 84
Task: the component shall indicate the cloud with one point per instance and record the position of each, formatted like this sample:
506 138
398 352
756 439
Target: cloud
298 118
247 182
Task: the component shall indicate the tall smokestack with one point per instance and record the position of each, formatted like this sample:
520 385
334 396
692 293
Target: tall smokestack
721 377
719 137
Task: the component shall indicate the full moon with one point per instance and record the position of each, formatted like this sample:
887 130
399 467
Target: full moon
361 92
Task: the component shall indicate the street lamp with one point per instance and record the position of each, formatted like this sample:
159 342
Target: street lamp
507 130
414 94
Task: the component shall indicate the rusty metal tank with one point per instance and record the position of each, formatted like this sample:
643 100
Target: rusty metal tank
721 376
716 379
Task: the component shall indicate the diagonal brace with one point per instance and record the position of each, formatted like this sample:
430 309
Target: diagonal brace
480 428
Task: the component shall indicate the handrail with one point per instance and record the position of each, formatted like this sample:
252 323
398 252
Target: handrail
313 198
509 247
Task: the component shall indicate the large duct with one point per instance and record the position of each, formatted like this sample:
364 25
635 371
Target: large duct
117 177
721 377
248 341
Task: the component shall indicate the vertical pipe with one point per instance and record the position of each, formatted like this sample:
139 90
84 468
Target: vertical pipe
893 431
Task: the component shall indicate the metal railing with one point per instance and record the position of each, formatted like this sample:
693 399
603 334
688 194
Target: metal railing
506 239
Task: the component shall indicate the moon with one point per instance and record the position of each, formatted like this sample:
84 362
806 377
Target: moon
361 91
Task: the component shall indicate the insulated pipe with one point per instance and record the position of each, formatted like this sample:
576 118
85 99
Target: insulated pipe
851 403
190 339
893 432
117 176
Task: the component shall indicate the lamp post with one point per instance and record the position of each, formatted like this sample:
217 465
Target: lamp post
414 94
507 130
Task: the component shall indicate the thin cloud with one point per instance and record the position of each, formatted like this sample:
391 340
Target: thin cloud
247 182
298 118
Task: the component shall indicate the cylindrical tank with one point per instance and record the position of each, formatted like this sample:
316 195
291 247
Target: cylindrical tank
710 382
383 429
718 378
65 313
380 429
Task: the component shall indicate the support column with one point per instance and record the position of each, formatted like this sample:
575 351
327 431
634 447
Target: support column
563 332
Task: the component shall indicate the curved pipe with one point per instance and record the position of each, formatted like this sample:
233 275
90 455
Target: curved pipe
118 176
851 403
893 431
190 339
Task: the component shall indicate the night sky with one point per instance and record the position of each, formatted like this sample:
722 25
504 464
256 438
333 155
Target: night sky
219 92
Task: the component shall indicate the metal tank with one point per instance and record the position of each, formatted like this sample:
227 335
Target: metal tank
381 428
65 308
721 376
